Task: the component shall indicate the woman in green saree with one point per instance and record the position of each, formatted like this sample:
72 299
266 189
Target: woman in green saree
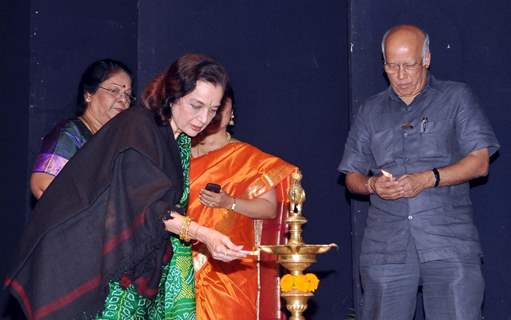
110 238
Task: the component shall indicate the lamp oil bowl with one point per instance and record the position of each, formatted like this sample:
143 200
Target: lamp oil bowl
296 256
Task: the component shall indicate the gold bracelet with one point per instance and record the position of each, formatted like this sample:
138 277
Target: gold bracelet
183 231
369 186
233 206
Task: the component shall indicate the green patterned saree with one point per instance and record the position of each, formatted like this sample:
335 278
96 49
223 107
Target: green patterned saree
176 295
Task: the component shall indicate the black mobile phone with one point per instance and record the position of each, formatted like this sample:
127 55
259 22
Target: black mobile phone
213 187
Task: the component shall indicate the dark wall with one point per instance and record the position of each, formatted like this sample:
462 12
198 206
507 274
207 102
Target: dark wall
469 44
65 37
14 80
288 64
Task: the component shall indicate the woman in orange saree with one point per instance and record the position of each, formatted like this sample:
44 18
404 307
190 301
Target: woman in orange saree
251 210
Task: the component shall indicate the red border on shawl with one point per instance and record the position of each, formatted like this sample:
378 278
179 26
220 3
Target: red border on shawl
47 309
16 286
125 234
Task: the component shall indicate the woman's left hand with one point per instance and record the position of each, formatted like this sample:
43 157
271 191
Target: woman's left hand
215 200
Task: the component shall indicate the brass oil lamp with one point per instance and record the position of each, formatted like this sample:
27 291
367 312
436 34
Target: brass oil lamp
296 256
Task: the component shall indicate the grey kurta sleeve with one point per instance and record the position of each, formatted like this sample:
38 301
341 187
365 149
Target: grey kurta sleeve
473 130
357 155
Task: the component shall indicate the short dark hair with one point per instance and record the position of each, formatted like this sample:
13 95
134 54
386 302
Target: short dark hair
94 74
179 80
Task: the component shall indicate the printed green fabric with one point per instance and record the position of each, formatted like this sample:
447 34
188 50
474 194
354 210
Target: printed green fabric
176 295
177 286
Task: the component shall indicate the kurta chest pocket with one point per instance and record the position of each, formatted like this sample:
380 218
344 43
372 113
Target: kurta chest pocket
435 138
384 146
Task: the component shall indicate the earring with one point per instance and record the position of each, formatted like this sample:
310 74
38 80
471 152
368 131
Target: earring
231 122
166 103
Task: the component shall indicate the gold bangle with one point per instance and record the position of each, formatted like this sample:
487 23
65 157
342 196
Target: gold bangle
233 206
183 231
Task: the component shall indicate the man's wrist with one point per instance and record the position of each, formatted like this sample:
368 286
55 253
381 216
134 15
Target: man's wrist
437 177
370 185
430 179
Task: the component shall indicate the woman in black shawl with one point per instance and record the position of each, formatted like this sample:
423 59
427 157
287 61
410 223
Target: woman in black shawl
98 243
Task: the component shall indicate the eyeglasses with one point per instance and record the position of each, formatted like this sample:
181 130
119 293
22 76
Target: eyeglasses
117 92
407 67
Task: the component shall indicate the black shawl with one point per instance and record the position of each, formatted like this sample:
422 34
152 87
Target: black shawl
101 220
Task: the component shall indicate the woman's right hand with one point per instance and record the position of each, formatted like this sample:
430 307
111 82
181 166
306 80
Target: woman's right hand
219 245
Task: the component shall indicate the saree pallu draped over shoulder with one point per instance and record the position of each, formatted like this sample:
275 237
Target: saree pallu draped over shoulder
100 223
230 290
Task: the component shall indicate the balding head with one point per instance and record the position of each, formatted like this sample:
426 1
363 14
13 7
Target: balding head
407 57
408 34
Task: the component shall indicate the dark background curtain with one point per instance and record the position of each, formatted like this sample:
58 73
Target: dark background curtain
299 68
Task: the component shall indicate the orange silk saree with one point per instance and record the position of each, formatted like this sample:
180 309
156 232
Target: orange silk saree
246 288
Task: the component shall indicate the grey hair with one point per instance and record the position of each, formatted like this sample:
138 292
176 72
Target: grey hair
425 46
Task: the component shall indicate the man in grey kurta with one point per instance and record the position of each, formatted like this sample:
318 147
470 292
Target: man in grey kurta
429 138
